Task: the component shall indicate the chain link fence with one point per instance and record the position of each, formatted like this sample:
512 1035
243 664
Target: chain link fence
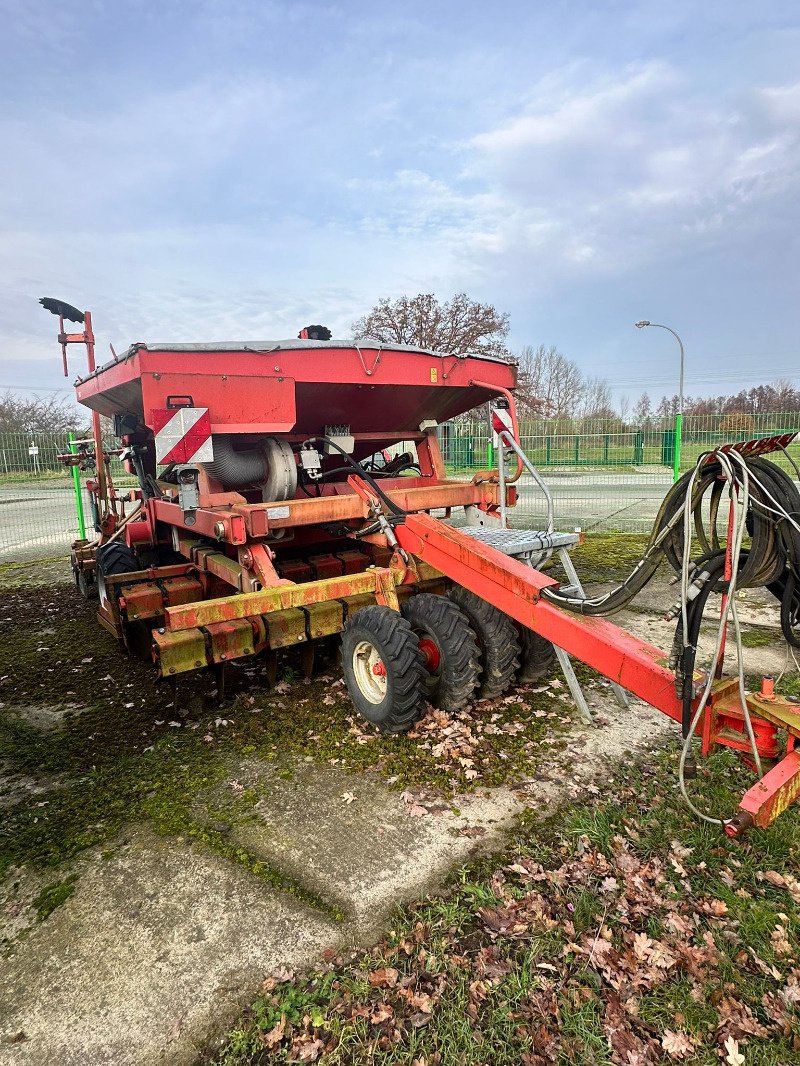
603 475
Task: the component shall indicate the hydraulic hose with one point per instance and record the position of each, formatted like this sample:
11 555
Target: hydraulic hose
398 512
773 524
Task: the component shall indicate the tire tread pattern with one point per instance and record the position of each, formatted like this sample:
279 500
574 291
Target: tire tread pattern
499 642
392 634
538 656
458 644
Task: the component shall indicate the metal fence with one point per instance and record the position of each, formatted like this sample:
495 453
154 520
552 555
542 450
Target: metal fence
606 475
38 512
603 475
611 444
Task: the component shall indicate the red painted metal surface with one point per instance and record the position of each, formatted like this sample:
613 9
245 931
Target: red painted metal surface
300 389
516 589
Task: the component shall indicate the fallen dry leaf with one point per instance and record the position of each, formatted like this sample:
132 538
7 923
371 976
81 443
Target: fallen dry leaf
275 1035
677 1044
733 1055
386 978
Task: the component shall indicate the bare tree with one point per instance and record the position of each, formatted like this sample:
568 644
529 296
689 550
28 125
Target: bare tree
624 407
596 399
56 414
643 409
459 326
549 384
668 406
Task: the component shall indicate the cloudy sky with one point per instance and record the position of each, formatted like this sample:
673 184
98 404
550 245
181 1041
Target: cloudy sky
226 169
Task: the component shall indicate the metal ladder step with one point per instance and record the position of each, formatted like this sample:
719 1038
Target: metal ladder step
517 542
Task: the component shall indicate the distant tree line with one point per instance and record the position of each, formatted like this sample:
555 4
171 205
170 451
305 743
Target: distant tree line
778 398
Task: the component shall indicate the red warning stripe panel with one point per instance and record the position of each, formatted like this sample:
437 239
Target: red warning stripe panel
501 421
182 435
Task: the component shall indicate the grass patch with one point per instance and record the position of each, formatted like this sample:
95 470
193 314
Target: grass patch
608 556
620 930
759 638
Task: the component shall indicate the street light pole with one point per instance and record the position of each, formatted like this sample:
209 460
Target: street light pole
676 465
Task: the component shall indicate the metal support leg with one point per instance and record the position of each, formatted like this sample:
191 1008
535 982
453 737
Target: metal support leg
574 685
620 694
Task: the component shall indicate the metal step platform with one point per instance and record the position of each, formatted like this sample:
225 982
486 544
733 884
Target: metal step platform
535 547
530 545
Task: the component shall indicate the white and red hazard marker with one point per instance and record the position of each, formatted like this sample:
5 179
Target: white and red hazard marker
183 435
501 422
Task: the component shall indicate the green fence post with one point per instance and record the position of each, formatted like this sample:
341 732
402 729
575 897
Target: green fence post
668 447
638 448
676 468
489 455
577 450
606 439
76 482
548 443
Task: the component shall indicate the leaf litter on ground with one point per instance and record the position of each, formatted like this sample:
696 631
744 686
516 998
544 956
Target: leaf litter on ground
628 936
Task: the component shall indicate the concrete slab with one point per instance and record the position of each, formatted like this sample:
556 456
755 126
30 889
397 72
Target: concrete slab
159 946
359 843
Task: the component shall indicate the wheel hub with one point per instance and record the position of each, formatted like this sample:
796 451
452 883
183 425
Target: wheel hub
430 651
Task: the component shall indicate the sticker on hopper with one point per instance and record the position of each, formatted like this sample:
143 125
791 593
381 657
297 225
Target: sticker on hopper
183 435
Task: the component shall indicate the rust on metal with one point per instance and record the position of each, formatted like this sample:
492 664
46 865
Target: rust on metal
178 653
143 600
233 640
324 619
285 628
770 796
275 599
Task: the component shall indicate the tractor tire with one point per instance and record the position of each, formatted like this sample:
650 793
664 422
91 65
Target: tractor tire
383 668
538 656
450 648
116 558
498 642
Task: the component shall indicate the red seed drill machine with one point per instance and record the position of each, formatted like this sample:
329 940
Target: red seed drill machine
284 495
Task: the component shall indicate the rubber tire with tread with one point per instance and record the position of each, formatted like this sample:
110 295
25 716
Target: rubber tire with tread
392 637
498 642
443 621
116 558
537 655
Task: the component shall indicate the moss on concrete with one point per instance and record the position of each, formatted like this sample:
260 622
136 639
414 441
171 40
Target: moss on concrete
608 556
760 638
53 896
77 713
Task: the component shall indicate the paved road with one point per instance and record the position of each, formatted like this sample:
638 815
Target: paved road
38 519
626 502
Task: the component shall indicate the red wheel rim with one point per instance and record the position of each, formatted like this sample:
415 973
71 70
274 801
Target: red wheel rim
433 658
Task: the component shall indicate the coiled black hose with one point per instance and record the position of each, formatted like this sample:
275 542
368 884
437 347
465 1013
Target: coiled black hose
772 560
